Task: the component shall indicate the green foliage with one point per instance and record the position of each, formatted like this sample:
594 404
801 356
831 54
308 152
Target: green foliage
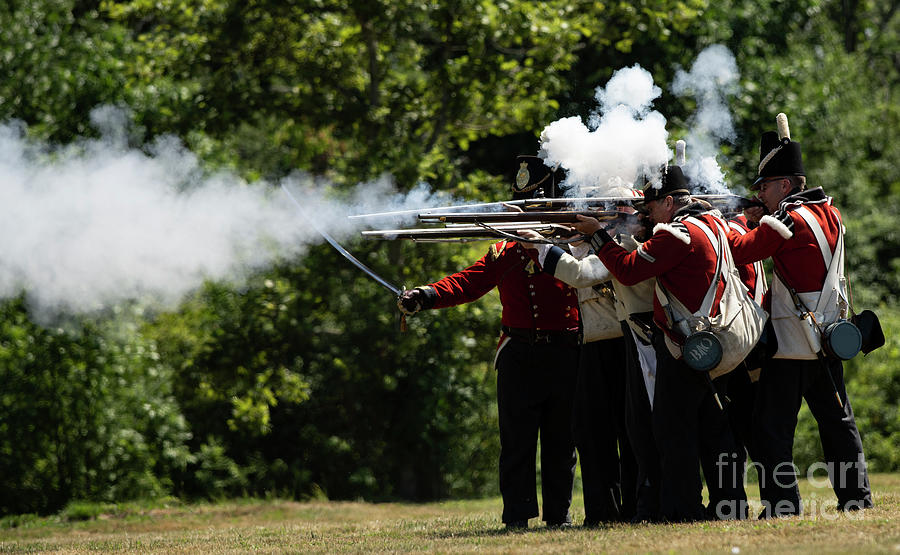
16 521
216 474
342 399
298 382
59 59
874 387
350 88
84 413
82 510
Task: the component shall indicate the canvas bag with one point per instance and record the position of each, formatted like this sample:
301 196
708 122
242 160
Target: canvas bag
799 338
598 315
740 321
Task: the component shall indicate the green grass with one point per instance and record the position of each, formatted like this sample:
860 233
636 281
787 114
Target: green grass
471 525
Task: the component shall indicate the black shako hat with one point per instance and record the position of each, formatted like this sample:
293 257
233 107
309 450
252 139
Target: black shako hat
778 154
673 183
536 179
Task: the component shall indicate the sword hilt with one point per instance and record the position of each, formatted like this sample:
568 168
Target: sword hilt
402 315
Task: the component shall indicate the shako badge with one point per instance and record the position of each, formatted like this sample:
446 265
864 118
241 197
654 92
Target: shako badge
522 177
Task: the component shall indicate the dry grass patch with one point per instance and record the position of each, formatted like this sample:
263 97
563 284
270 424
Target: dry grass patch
453 526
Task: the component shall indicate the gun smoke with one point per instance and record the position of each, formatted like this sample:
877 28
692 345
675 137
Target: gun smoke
89 225
86 226
622 140
712 79
626 138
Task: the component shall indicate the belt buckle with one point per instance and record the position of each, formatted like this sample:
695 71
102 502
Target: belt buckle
542 337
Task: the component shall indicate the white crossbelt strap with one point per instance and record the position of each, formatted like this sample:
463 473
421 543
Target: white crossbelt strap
833 261
759 288
813 224
710 297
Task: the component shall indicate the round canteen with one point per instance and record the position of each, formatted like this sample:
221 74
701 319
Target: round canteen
702 351
842 340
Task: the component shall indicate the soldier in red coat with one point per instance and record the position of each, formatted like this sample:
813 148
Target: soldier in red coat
802 232
743 382
689 427
536 362
609 470
616 372
752 274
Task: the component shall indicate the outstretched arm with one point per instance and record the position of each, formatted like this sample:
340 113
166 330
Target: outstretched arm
579 269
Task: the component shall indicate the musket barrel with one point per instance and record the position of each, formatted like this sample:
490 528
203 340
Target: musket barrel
554 216
529 205
468 232
499 207
740 203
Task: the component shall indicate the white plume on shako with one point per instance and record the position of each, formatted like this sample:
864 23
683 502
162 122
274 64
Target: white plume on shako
94 223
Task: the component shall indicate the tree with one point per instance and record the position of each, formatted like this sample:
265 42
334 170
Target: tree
86 412
297 381
60 59
351 89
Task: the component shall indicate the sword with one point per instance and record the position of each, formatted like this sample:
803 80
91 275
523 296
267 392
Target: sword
397 291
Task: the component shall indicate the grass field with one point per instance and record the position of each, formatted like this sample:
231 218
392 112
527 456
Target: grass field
274 526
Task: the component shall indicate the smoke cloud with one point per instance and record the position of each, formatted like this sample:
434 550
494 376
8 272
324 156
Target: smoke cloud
86 226
712 79
624 139
630 87
95 223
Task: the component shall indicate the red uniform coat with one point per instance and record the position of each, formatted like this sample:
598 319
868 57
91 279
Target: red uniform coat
679 255
531 299
788 240
753 275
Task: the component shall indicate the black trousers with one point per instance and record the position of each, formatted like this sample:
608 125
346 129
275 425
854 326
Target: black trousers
535 393
742 389
741 402
608 470
782 385
639 426
691 431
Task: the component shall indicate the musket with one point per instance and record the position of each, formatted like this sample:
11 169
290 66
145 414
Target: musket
468 233
732 203
462 228
735 203
552 216
500 207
